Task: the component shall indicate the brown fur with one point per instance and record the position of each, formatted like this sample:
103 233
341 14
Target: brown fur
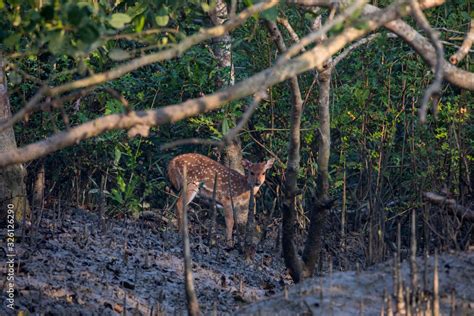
201 171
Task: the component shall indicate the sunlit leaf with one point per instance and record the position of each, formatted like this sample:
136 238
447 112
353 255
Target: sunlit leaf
162 18
118 20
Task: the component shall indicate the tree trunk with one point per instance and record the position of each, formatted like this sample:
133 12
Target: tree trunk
223 51
290 187
12 185
321 202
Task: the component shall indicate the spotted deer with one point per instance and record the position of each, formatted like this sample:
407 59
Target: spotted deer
232 189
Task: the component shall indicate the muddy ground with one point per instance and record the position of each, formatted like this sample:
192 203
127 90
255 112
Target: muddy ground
70 266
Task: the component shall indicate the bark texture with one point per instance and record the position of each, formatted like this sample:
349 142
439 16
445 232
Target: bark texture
290 188
12 185
321 202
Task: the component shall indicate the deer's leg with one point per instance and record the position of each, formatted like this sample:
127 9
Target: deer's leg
229 223
188 196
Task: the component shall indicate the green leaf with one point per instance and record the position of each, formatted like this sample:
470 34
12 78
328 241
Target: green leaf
47 12
118 20
117 155
117 196
75 15
136 10
12 40
225 126
162 18
139 24
88 33
270 14
118 54
56 42
121 183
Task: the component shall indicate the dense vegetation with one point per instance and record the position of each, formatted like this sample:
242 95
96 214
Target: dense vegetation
382 159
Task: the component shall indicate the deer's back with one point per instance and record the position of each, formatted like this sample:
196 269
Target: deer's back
202 170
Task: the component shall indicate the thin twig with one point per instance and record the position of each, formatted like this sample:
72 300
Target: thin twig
357 44
229 136
193 304
434 88
315 36
465 46
33 105
131 36
232 133
290 30
118 96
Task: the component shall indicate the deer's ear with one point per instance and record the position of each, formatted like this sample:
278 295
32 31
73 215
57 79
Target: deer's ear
269 163
246 164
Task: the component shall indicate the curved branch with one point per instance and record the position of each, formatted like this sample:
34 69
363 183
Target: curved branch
173 52
455 208
314 58
465 47
434 88
422 46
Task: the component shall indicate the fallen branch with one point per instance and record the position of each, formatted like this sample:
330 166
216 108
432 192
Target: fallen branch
456 209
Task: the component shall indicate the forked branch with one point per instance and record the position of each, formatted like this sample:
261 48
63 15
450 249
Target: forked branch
170 53
314 58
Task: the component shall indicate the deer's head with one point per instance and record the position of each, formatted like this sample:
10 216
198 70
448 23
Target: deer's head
256 171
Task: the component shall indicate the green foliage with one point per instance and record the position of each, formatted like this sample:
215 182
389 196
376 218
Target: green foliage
376 138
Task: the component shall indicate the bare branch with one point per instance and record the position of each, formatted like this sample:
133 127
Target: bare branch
232 133
290 30
435 87
354 46
174 51
457 209
465 47
314 58
315 36
425 4
423 47
191 298
132 36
